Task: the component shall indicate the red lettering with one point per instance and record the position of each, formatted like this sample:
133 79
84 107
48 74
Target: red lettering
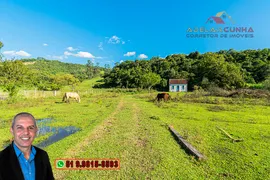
103 164
77 164
87 164
96 164
116 164
83 164
92 163
107 163
111 164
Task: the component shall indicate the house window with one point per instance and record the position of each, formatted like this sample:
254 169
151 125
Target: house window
172 87
183 87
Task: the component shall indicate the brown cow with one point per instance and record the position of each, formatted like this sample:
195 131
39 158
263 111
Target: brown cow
164 96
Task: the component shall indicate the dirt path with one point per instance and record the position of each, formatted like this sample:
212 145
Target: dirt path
124 135
94 135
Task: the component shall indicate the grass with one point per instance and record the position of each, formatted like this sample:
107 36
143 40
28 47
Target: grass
134 129
255 86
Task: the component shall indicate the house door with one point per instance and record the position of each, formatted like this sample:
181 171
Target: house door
177 88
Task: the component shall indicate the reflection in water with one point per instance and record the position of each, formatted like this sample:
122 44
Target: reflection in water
59 133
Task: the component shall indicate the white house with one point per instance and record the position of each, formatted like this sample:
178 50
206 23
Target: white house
178 85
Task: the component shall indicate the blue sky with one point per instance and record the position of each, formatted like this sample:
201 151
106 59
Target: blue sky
113 31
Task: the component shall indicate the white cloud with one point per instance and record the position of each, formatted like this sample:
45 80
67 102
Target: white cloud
23 53
80 54
116 40
11 53
68 53
142 56
121 61
84 55
71 48
100 46
45 44
17 53
130 53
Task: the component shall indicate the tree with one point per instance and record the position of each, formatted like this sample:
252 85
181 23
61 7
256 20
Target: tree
266 84
163 83
96 70
12 75
150 79
60 80
194 55
227 69
215 69
1 45
90 69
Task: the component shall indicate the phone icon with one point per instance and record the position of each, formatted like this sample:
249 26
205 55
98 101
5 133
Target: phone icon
60 164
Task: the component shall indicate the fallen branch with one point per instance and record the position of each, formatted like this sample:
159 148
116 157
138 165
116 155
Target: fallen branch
228 135
188 147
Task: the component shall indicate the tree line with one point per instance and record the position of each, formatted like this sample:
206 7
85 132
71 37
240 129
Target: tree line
43 74
228 69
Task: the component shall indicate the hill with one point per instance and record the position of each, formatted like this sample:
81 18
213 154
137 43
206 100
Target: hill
54 67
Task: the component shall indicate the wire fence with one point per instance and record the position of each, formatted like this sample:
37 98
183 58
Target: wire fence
44 94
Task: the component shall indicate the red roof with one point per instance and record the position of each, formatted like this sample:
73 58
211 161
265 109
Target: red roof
218 20
178 81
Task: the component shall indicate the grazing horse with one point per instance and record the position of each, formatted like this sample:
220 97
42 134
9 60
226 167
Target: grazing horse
71 95
164 96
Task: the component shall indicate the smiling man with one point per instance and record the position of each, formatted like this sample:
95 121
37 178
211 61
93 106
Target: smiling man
21 160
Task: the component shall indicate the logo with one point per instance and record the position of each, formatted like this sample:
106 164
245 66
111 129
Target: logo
220 18
221 25
60 164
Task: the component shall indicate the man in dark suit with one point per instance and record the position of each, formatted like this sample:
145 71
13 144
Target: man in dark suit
21 160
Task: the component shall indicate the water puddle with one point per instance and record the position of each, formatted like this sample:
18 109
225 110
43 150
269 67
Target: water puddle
58 134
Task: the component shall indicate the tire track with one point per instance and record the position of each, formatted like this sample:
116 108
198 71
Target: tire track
94 135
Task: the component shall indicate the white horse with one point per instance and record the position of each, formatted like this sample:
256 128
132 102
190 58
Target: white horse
71 95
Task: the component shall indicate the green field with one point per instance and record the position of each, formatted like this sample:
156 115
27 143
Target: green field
134 129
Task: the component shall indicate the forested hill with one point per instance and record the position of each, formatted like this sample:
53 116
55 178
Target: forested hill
54 66
44 74
227 69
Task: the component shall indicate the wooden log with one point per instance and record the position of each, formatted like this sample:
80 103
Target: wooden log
188 147
228 135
